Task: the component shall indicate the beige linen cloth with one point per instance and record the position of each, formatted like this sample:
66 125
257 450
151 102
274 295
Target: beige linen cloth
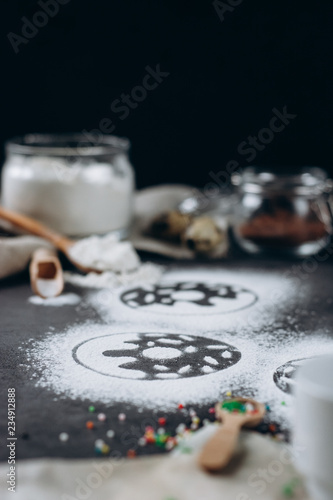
16 252
259 471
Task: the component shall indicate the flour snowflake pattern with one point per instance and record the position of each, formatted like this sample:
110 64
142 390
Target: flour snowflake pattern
155 356
189 298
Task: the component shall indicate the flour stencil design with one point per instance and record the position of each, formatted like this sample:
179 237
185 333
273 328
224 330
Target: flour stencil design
154 356
187 297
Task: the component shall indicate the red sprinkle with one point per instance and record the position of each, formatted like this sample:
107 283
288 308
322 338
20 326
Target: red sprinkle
272 428
180 406
211 410
150 439
162 421
131 454
90 424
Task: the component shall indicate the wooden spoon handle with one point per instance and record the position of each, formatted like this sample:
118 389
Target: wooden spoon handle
218 451
34 227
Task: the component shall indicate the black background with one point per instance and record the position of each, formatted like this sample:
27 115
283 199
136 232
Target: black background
225 79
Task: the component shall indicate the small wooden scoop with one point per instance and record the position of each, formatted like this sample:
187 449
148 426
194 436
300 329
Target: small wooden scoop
46 274
34 227
218 451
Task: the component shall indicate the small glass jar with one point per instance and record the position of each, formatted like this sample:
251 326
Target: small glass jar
75 185
286 213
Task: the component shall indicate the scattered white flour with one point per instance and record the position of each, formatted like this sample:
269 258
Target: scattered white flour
91 361
48 288
66 299
105 253
146 273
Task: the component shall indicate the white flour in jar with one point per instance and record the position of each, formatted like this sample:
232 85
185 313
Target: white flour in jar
76 199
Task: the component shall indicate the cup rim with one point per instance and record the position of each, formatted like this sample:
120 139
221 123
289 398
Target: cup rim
311 387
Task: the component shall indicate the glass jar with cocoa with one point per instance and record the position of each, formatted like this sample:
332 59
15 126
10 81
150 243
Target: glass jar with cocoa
289 212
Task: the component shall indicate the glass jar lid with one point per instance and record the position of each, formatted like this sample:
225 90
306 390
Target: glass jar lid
304 181
67 145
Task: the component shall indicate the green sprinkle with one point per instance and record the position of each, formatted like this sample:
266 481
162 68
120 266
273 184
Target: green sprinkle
186 449
233 406
91 409
288 491
283 403
289 488
161 440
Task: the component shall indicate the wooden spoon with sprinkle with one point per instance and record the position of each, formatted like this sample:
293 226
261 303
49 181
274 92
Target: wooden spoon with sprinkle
234 414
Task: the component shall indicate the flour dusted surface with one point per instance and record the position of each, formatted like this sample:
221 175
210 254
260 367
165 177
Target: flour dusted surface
99 372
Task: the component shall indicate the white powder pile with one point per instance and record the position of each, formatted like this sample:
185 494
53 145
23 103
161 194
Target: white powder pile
47 287
104 363
146 273
105 253
66 299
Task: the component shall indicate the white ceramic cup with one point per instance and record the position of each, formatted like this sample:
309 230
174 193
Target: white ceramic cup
313 426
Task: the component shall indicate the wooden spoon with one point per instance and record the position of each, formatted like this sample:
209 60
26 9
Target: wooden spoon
38 229
46 276
218 451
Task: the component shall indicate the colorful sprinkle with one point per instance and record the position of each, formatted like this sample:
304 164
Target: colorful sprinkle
101 417
142 441
91 409
131 454
233 406
180 406
90 424
63 437
180 428
105 449
99 443
122 417
211 410
186 449
162 421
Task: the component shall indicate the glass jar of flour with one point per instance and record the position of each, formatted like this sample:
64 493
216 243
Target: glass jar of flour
75 184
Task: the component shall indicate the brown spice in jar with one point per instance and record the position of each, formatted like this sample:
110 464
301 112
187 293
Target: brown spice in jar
283 228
